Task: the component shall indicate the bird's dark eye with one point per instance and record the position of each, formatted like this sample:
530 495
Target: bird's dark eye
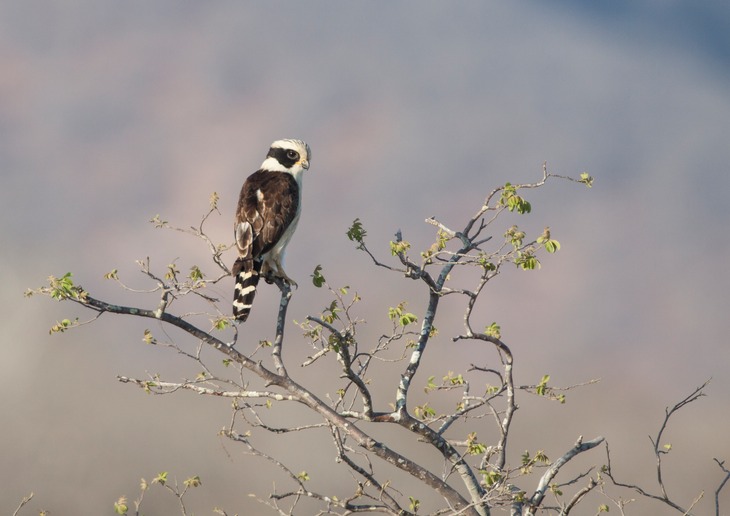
292 154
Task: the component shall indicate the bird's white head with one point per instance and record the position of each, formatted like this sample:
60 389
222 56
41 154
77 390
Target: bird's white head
290 156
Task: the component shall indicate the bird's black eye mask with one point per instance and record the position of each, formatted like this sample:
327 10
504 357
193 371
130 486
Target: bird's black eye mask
287 157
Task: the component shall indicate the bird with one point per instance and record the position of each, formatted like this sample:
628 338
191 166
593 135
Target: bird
268 211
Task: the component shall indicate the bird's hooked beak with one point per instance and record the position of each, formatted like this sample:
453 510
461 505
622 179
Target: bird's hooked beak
305 164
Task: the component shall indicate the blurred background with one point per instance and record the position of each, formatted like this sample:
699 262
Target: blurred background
112 112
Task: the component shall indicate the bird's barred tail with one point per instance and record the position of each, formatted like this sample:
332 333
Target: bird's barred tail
246 273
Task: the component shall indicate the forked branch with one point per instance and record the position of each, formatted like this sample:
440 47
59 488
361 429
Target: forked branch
659 451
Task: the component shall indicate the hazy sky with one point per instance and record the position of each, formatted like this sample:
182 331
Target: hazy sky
111 112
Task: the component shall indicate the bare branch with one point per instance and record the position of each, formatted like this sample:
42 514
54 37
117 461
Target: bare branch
343 353
393 505
293 476
159 387
431 220
215 250
22 503
663 497
280 324
721 486
697 393
578 448
578 497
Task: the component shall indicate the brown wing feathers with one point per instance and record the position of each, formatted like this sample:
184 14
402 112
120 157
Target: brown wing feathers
267 205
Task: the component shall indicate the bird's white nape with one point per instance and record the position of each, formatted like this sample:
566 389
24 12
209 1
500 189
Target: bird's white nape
271 164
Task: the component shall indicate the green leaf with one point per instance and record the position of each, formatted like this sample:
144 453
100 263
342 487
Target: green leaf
551 245
160 479
587 180
62 326
512 201
214 198
158 222
193 482
526 260
454 380
525 458
491 389
515 236
149 385
398 312
148 337
395 312
221 323
120 506
545 236
398 248
415 504
64 288
356 233
111 274
317 278
407 318
484 262
490 477
555 489
172 271
493 330
474 447
329 314
424 412
195 273
442 239
430 385
303 476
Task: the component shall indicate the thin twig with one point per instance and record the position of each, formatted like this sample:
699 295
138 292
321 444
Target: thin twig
721 486
22 503
578 497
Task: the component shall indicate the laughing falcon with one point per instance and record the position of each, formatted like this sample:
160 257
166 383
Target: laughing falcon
268 211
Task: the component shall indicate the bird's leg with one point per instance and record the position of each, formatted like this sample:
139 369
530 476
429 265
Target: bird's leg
286 278
267 273
274 269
